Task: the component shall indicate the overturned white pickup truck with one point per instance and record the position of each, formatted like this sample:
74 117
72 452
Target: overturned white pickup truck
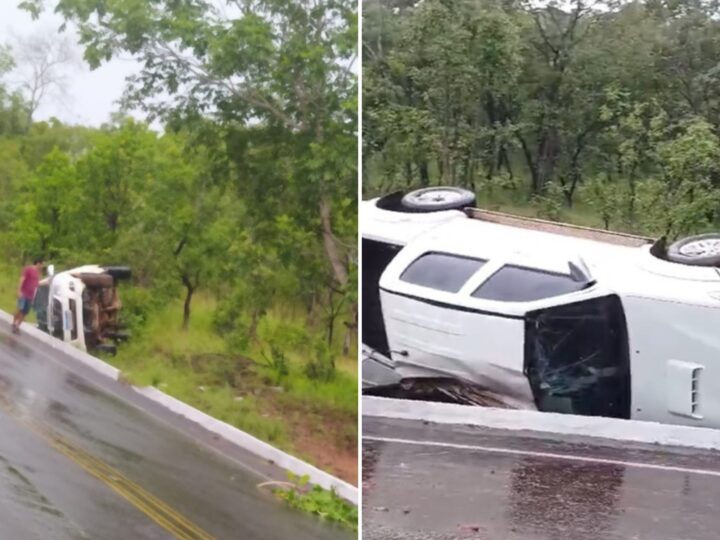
550 316
82 306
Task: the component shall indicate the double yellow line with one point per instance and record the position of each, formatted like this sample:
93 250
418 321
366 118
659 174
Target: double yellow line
154 508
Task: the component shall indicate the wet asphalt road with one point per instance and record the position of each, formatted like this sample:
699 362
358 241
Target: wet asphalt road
79 461
430 482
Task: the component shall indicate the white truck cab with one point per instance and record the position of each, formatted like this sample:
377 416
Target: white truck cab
552 316
81 306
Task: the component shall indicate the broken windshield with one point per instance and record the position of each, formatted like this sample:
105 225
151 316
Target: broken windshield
577 359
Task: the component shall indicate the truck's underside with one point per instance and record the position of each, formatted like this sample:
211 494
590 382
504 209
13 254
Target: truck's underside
83 306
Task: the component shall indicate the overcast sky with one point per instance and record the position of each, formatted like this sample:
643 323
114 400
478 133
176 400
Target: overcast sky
91 95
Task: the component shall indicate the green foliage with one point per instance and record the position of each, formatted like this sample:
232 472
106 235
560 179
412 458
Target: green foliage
283 139
196 367
318 501
604 197
610 107
277 363
684 198
321 366
549 202
247 196
47 206
138 305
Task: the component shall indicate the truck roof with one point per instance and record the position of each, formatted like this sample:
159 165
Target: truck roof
399 228
625 258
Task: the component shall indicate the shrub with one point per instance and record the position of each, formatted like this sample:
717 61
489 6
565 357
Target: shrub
321 367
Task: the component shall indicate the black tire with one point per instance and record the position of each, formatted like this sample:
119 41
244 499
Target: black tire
697 250
119 273
435 199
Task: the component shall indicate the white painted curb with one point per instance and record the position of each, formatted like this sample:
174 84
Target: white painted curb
226 431
551 423
254 445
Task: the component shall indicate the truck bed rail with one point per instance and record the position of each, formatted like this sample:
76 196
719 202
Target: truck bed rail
566 229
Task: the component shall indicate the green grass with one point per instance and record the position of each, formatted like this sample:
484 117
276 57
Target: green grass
318 501
9 277
579 214
9 280
196 367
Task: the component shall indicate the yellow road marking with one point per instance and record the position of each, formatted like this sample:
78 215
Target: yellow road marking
152 501
149 504
154 508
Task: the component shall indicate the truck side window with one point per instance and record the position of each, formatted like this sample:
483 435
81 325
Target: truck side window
441 271
518 284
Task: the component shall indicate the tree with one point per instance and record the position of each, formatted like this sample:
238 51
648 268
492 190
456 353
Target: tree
190 215
42 62
287 68
13 108
114 171
289 64
684 197
48 207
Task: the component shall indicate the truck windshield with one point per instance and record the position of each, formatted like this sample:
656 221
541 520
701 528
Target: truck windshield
577 358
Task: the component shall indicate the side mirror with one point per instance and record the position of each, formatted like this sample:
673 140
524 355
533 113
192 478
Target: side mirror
580 272
51 270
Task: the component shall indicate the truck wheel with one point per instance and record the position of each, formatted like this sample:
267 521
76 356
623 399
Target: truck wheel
698 250
119 273
434 199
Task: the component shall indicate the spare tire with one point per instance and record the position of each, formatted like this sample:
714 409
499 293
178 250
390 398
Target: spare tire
118 272
435 199
698 250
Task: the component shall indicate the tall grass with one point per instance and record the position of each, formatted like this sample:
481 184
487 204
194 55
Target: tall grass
196 367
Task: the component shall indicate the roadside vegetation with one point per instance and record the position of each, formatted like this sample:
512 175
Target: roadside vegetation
238 217
315 500
600 113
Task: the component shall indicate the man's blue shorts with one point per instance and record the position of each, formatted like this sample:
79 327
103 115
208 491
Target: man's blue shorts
24 305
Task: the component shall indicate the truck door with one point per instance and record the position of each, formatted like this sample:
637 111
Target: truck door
577 356
575 344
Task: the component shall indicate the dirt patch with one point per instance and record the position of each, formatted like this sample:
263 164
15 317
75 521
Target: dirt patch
326 438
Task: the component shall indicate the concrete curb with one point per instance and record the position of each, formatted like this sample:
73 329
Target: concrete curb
225 431
256 446
541 422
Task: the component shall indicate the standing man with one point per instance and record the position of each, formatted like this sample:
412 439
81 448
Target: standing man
29 282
